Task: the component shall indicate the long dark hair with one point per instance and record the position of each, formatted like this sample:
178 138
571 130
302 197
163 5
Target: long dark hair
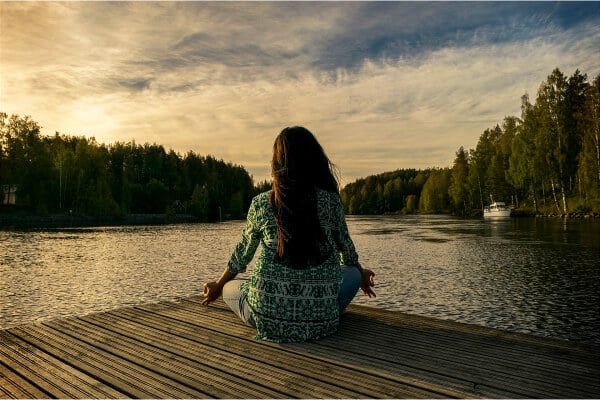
299 167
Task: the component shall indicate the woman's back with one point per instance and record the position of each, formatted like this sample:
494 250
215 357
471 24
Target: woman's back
292 304
298 285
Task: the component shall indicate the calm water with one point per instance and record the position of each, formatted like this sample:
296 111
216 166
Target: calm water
527 275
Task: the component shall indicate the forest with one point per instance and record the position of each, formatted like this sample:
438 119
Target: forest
76 175
547 161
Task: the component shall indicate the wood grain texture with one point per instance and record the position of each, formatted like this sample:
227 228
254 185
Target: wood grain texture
181 349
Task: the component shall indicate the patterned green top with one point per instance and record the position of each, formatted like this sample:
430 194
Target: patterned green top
293 305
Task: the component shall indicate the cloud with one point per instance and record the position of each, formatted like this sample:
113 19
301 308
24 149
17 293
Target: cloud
136 84
392 30
384 85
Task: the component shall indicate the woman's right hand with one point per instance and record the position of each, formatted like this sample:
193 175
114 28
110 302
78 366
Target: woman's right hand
212 291
367 282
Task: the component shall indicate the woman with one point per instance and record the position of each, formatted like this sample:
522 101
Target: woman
307 271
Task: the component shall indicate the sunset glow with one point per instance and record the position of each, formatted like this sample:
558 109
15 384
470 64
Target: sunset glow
382 85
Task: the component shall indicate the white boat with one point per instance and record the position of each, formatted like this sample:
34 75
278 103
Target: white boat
496 210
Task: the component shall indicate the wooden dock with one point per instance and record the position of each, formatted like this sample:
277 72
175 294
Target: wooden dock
181 349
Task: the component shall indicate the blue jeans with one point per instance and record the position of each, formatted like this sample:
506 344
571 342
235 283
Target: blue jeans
236 299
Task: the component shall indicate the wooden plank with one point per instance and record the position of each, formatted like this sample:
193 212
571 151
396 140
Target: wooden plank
349 359
13 385
174 357
431 333
549 354
526 359
474 365
577 351
279 358
515 376
131 379
249 379
55 378
181 350
267 365
460 368
391 370
408 375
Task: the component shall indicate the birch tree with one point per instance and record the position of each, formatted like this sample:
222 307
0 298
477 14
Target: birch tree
552 137
589 164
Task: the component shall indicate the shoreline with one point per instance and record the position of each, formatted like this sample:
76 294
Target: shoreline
10 222
574 215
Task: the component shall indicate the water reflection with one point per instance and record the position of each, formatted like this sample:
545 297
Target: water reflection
528 275
57 273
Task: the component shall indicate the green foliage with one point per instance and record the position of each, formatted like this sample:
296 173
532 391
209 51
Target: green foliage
412 204
63 174
458 191
589 161
262 187
200 203
582 206
434 196
236 205
385 193
542 159
548 160
158 196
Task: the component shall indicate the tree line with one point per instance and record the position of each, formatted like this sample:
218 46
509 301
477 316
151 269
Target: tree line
545 161
74 174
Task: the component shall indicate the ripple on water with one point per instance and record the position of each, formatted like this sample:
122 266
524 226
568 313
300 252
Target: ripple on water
519 275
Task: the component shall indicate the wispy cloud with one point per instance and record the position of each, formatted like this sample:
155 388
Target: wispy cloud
384 85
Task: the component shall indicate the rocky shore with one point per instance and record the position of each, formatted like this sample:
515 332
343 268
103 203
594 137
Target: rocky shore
531 213
590 215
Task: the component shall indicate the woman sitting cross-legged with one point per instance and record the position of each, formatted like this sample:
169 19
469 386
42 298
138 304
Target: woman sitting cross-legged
307 271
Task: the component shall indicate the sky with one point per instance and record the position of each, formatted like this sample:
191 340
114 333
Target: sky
382 85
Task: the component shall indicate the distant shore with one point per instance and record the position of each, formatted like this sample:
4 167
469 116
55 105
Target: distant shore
585 215
8 221
66 221
571 215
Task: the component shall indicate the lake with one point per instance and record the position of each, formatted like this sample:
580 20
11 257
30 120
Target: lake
529 275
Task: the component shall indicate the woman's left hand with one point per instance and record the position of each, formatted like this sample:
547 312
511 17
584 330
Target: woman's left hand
367 282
